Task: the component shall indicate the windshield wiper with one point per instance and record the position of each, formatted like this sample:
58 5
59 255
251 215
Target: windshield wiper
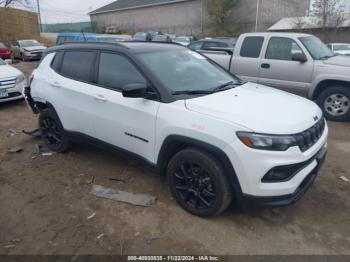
193 92
224 87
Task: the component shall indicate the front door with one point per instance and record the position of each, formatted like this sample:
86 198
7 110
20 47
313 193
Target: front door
128 123
277 69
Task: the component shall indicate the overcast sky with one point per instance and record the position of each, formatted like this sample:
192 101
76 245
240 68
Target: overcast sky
65 11
61 11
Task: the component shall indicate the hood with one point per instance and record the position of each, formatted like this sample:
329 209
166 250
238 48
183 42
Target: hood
339 60
259 108
35 48
7 71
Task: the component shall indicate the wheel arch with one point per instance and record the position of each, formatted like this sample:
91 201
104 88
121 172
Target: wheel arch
175 143
324 84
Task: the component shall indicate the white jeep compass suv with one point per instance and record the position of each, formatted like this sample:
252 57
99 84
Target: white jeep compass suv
215 137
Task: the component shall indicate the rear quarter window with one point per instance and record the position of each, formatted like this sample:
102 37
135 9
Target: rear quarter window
252 46
78 65
56 62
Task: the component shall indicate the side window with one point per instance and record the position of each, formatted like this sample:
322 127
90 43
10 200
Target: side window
251 46
56 62
282 48
196 46
60 40
78 65
116 71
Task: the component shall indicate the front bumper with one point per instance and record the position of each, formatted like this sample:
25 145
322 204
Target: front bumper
249 202
14 93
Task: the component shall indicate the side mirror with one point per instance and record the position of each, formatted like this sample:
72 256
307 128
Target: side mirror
8 61
137 90
299 57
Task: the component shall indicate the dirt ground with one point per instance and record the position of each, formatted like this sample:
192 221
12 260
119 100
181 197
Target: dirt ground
45 205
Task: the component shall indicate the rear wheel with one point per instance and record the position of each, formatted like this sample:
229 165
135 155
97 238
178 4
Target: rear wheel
335 102
52 131
198 183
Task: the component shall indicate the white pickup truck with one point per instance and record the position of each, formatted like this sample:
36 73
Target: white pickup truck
297 63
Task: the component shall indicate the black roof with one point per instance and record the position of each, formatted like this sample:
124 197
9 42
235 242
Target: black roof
133 47
128 4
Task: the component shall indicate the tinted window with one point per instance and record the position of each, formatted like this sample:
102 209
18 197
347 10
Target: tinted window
116 71
282 48
208 45
78 65
56 63
251 46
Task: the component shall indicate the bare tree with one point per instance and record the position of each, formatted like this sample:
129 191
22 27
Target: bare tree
220 13
330 12
299 23
9 3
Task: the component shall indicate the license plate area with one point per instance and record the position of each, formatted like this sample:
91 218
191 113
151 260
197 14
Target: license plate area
3 93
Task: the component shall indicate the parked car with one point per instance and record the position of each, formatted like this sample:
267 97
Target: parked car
182 40
27 50
5 53
214 136
142 37
209 43
12 82
162 38
297 63
340 49
70 37
74 37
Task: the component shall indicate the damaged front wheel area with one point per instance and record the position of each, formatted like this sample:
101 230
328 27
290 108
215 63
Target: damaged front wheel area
52 131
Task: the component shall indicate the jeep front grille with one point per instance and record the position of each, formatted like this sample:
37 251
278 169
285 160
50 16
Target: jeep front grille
308 138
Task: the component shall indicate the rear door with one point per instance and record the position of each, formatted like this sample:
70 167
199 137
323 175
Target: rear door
246 64
128 123
71 90
277 69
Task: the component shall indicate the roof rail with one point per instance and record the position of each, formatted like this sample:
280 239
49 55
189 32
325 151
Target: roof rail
94 43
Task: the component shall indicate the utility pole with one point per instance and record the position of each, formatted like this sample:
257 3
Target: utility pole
257 15
39 14
202 16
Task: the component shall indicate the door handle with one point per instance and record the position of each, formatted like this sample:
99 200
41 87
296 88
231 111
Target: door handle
56 84
100 98
266 66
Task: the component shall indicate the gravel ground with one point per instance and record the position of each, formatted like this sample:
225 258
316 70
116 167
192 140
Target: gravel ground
45 205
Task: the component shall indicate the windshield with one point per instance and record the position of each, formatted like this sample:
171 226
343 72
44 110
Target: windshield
2 45
29 43
2 62
341 47
316 48
185 70
140 36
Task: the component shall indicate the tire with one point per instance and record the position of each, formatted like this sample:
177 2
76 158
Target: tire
335 103
198 183
52 131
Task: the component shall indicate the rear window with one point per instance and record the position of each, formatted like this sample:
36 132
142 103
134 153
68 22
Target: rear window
208 45
78 65
251 46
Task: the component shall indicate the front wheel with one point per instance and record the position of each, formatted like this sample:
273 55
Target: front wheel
52 131
198 183
335 103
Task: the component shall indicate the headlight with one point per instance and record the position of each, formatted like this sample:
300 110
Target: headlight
267 142
20 79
